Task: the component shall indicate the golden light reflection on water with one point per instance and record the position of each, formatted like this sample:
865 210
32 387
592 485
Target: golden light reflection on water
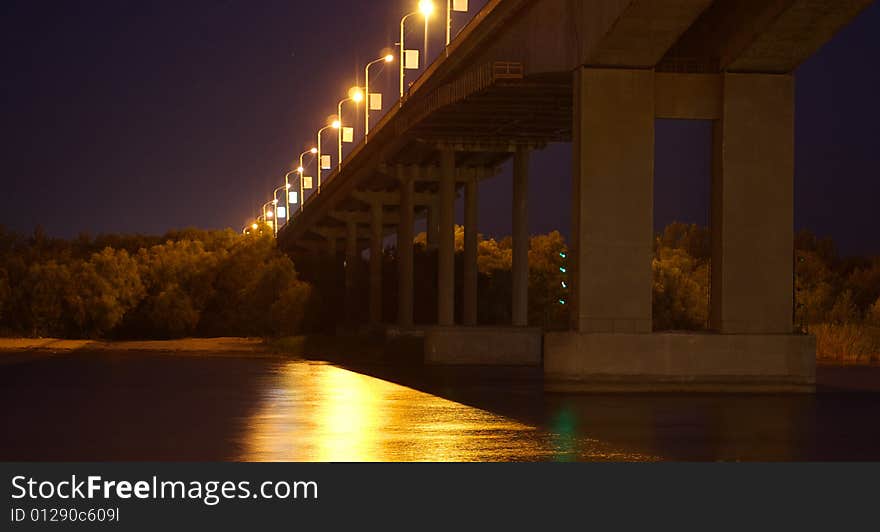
319 412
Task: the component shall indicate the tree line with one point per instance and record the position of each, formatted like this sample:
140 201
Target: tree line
184 283
220 283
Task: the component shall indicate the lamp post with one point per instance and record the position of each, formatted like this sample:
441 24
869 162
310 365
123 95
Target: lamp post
335 124
286 188
270 215
301 169
426 7
354 95
387 59
287 195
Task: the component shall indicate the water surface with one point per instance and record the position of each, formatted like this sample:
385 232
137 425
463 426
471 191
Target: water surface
130 406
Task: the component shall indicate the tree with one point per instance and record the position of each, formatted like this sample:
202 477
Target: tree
50 296
546 290
680 291
5 297
873 316
109 286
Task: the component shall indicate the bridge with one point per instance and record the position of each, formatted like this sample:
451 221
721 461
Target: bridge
596 73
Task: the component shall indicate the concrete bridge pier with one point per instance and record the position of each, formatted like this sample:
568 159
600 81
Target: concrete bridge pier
405 237
446 240
471 245
470 344
351 264
520 238
376 238
611 346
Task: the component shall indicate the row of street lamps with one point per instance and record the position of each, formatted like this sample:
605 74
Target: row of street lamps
409 60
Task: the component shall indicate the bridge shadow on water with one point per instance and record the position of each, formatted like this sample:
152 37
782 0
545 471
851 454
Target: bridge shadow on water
836 424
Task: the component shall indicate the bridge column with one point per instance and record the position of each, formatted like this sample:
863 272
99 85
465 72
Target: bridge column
520 266
612 193
446 240
376 263
351 261
753 206
331 247
471 208
405 249
432 220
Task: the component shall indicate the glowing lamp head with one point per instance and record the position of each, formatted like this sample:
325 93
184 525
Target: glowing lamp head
287 186
275 201
357 95
269 214
426 7
300 169
389 58
336 124
254 226
313 151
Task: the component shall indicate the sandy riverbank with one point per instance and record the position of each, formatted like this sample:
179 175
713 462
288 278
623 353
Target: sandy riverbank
184 345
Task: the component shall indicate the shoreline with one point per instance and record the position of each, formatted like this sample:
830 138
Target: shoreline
195 346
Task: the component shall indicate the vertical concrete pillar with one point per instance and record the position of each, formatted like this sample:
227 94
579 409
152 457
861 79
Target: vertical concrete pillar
520 266
405 249
432 221
446 240
471 210
331 247
753 206
376 263
612 195
350 269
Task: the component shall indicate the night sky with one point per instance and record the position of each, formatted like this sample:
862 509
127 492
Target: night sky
146 116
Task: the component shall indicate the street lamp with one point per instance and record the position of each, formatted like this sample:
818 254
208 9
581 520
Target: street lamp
387 59
453 5
268 215
301 170
356 95
335 124
286 188
287 195
426 7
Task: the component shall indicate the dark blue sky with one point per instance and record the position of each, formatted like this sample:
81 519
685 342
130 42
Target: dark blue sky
145 116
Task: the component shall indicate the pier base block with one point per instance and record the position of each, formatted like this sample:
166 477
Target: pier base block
672 362
511 346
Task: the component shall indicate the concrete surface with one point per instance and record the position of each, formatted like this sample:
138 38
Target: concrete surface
679 362
514 346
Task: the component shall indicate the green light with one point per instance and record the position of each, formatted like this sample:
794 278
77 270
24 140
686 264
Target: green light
562 269
561 301
563 254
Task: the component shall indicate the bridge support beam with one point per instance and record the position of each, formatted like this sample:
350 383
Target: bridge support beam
351 262
446 240
432 221
609 348
375 263
753 206
470 273
612 196
405 249
331 247
520 237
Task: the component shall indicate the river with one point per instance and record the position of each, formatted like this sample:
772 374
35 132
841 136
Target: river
137 406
